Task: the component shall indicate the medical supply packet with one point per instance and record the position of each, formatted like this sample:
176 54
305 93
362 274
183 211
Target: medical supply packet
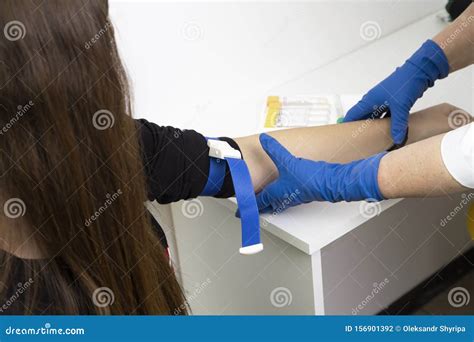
306 110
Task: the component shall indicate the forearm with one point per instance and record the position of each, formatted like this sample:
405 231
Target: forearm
416 170
340 143
457 40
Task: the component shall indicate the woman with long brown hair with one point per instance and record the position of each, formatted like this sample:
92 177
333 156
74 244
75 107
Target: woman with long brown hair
76 168
62 166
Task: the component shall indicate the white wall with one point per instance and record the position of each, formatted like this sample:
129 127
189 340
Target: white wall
194 65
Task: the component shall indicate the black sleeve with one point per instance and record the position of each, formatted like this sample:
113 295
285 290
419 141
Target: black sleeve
177 162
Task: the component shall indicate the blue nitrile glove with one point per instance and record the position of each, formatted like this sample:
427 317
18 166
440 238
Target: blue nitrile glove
302 181
398 92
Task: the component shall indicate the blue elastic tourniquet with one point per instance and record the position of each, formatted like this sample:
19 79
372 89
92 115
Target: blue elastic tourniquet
216 177
246 201
244 193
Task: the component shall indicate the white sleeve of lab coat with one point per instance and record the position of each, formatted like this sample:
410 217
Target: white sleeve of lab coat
457 151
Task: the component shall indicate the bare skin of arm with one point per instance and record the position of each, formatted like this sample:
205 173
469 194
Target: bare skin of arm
345 142
416 170
457 40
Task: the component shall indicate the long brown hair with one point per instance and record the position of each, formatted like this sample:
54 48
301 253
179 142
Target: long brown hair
71 168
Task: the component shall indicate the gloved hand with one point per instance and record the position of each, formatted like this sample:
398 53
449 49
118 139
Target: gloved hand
399 91
302 181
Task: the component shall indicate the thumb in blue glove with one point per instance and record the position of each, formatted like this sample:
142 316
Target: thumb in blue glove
397 94
302 181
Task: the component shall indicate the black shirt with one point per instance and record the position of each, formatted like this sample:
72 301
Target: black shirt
177 163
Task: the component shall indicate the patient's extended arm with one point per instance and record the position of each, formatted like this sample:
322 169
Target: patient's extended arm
417 170
346 142
456 40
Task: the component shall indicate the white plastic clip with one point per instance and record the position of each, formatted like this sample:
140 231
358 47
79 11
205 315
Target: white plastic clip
252 249
221 150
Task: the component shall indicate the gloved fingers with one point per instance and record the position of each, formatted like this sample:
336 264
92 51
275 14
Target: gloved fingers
263 201
268 209
398 124
360 111
280 204
276 151
266 197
